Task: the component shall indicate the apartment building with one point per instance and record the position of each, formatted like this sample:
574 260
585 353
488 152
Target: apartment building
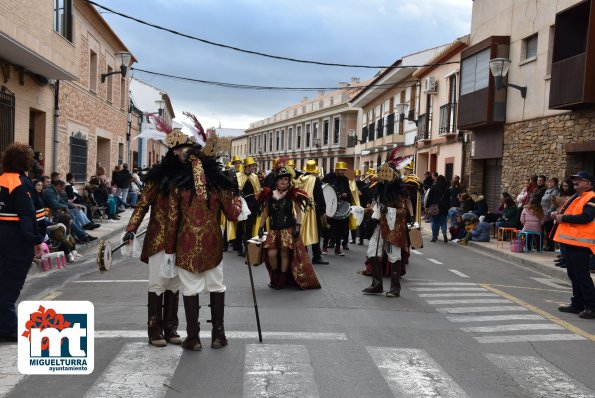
389 112
315 128
542 120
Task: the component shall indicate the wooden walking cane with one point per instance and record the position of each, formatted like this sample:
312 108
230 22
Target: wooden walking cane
254 293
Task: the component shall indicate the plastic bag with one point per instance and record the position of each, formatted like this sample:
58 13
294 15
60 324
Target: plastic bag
131 250
391 217
245 211
358 214
167 268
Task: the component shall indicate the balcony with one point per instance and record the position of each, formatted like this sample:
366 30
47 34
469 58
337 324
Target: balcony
423 132
447 123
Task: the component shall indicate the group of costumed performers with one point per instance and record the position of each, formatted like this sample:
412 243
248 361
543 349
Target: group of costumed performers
186 193
286 256
390 210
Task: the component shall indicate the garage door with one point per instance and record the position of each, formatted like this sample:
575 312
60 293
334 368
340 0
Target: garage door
492 182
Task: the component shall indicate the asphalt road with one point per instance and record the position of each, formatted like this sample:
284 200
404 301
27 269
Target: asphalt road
466 324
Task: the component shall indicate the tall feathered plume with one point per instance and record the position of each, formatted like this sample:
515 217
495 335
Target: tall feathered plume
198 129
282 161
161 125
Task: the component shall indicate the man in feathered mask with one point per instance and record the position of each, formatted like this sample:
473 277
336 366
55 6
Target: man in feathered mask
159 187
391 209
193 235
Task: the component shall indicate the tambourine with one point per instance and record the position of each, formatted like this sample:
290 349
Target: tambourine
105 252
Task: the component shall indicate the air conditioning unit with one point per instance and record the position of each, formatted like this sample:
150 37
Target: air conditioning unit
430 85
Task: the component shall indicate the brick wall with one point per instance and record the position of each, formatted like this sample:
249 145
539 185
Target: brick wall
538 147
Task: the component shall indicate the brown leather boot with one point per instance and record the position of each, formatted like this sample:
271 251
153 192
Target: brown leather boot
395 276
170 317
218 339
154 322
191 308
376 286
281 280
274 275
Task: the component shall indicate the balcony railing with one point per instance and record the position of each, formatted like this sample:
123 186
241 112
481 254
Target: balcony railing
447 118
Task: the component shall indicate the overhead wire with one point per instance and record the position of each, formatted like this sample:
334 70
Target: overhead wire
303 61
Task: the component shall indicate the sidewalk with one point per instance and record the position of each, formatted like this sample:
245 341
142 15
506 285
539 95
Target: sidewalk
107 231
543 262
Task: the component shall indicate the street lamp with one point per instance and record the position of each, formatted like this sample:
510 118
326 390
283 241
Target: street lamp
400 109
124 57
499 68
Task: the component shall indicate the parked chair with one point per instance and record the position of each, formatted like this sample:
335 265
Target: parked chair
96 209
503 232
528 235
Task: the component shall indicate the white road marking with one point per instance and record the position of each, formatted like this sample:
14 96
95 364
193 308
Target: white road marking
416 252
553 283
469 301
494 318
9 373
465 310
114 281
528 337
540 378
448 289
273 370
413 373
138 370
459 273
142 334
443 283
434 261
512 328
479 294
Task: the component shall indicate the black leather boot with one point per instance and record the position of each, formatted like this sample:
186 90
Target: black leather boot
376 286
191 308
395 276
154 320
170 317
218 339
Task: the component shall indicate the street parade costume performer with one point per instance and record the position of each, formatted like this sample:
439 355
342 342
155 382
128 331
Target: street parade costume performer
160 182
392 208
249 189
193 234
283 240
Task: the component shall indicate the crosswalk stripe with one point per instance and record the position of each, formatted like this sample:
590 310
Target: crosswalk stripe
512 328
540 378
465 310
9 374
459 273
416 251
528 337
142 334
448 289
458 295
137 371
469 301
273 370
413 373
434 261
443 283
494 318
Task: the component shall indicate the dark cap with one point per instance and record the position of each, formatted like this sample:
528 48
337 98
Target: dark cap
583 175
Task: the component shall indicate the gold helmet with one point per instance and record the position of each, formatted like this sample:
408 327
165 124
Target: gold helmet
249 161
341 166
311 167
236 158
357 172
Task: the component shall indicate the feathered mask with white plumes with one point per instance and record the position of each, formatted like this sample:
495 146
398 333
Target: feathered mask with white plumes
208 142
174 137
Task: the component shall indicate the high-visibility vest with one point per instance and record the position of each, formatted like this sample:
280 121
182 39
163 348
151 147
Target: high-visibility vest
8 183
577 234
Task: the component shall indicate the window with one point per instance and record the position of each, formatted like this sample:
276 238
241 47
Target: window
315 130
120 153
429 103
325 128
475 72
390 124
299 137
122 93
93 71
63 18
277 142
109 84
529 47
6 120
271 141
364 134
289 137
307 141
282 139
336 129
379 127
78 156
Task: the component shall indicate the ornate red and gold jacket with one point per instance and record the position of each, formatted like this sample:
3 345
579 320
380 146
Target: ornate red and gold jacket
194 232
152 198
398 235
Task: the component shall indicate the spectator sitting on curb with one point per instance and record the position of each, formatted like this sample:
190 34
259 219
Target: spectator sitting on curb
60 233
457 230
477 229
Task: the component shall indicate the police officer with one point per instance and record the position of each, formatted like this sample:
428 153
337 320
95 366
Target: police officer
576 234
21 239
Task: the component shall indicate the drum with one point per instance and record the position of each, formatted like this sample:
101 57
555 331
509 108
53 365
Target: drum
104 255
343 210
330 197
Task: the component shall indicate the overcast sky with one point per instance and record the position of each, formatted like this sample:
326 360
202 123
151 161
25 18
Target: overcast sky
368 32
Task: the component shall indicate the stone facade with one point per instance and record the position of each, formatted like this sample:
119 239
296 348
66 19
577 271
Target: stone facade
538 146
